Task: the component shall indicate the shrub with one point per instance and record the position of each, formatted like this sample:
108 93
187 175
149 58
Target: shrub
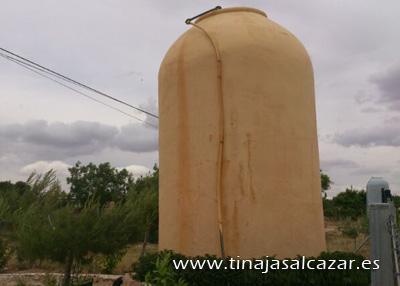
306 277
145 264
350 204
107 263
4 254
163 274
49 280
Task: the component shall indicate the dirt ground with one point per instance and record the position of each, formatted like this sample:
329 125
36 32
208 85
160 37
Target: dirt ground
336 241
24 275
36 279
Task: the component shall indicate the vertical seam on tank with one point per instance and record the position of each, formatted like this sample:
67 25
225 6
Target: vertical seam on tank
220 161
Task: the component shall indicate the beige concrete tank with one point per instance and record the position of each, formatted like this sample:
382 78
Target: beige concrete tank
239 167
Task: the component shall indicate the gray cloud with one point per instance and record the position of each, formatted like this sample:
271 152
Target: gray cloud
41 167
370 110
368 137
338 163
135 138
75 134
388 84
370 171
39 139
392 120
362 97
137 170
151 106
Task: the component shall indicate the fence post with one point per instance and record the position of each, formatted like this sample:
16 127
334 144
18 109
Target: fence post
381 243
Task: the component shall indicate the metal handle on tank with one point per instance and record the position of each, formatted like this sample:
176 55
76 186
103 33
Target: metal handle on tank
189 20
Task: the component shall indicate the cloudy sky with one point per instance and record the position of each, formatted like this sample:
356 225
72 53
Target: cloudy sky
117 46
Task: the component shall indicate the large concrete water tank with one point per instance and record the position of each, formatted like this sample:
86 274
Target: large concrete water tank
239 166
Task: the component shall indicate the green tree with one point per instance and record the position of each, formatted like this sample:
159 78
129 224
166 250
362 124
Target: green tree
149 182
67 235
4 213
325 182
349 204
4 254
71 228
102 183
15 198
396 201
146 205
143 197
17 195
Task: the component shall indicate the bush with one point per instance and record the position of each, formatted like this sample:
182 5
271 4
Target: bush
4 254
145 264
49 280
107 263
207 276
349 204
164 274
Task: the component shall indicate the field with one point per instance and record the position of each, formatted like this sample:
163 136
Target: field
336 241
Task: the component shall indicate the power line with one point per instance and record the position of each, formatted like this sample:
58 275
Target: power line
42 68
35 70
39 71
76 82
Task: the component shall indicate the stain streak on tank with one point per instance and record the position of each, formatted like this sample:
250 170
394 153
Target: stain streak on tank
241 179
183 151
236 233
249 167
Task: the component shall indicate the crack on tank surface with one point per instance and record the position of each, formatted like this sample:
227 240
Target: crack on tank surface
250 167
235 227
241 179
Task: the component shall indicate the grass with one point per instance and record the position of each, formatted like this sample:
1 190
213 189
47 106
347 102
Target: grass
337 241
131 256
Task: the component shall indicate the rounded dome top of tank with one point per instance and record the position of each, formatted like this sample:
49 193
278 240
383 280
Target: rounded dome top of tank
377 183
231 9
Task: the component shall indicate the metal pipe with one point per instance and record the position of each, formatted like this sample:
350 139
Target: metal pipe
220 160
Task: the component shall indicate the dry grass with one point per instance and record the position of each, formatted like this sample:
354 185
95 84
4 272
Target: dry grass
336 241
131 256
